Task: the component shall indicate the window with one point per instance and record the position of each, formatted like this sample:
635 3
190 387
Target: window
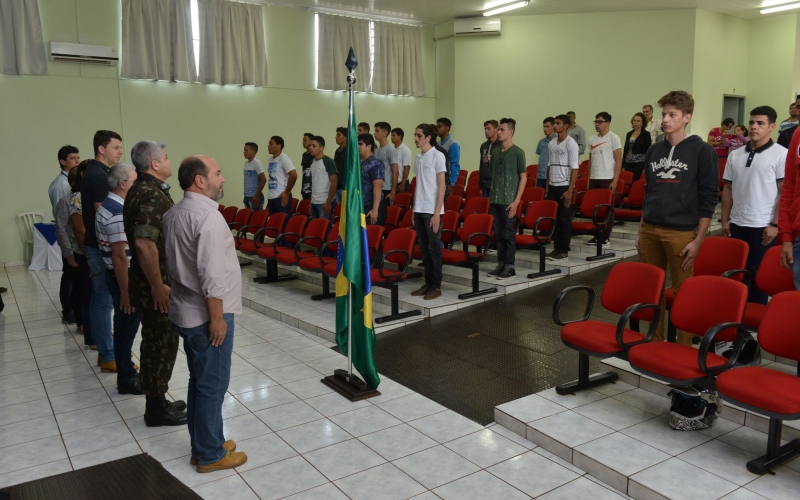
316 48
196 34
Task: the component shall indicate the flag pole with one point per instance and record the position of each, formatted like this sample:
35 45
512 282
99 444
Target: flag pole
351 79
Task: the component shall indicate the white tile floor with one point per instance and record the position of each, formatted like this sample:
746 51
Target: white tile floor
59 413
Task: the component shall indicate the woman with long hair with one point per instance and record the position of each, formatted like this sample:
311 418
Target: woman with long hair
637 142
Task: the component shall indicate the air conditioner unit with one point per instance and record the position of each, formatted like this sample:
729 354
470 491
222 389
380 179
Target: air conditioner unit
471 26
81 53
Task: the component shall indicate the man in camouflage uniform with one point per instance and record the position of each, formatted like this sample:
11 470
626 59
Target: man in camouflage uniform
147 202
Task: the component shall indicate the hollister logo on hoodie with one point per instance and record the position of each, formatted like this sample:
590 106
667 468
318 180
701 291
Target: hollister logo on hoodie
669 168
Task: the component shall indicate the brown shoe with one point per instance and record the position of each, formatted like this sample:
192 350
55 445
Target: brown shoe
421 291
433 293
231 460
229 445
3 289
108 367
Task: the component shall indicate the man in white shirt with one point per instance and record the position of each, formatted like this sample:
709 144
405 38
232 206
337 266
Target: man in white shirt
388 155
68 157
254 178
206 293
323 179
751 195
430 169
282 176
606 162
653 123
562 172
403 158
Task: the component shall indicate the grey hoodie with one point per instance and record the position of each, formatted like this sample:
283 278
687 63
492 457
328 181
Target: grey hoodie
682 183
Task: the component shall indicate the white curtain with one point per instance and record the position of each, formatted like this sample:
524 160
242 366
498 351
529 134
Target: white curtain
157 40
398 60
232 49
336 35
21 43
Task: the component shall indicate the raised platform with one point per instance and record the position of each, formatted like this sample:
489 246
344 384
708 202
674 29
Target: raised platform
619 434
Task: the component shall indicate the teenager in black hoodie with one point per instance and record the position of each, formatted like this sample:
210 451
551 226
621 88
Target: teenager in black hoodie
682 177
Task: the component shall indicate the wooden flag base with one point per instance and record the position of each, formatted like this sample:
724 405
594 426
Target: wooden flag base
354 390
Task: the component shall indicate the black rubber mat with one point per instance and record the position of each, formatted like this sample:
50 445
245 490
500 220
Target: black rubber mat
134 478
474 359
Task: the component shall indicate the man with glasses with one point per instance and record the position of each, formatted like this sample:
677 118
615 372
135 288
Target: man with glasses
606 162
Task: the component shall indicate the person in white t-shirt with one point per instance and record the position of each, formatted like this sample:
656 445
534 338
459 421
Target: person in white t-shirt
430 169
323 180
606 162
403 158
282 176
751 195
388 155
254 178
562 172
653 123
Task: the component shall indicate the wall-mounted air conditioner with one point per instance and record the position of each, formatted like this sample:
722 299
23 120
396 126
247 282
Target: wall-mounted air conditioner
471 26
82 53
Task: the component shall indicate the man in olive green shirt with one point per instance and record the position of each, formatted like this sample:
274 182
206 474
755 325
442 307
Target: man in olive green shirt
508 182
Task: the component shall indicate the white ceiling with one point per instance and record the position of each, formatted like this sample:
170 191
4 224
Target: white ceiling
437 11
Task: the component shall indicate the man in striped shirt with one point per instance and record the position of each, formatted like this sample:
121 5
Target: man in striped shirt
113 245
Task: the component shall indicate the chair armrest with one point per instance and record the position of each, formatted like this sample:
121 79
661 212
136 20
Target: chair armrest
242 229
452 240
746 276
300 242
708 341
621 197
282 237
563 295
382 259
324 247
485 248
626 316
604 223
259 236
536 229
372 253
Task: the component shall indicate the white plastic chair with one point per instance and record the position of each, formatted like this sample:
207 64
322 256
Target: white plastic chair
25 221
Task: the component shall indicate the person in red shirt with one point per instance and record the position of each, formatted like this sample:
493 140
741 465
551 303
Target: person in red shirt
789 217
718 135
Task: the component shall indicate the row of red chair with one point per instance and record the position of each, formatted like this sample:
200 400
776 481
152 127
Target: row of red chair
713 307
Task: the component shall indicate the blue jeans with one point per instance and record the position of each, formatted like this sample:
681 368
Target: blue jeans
209 374
541 183
86 298
249 202
338 196
752 236
317 211
125 328
796 265
101 305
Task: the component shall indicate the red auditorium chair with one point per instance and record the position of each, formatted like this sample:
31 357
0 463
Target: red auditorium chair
313 238
583 169
627 176
303 208
709 306
458 190
473 191
719 256
531 170
337 212
453 203
294 204
631 210
392 219
476 231
581 186
541 217
462 177
407 221
474 178
476 205
390 269
448 234
257 222
293 232
596 205
316 263
403 201
632 290
221 209
772 279
272 229
412 186
769 392
242 219
529 195
229 214
619 193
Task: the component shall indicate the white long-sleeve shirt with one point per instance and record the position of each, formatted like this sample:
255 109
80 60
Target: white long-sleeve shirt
201 261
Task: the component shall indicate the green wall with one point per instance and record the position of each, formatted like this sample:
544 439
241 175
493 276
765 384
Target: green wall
39 114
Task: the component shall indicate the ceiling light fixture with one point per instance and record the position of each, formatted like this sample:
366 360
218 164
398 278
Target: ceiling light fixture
506 8
781 8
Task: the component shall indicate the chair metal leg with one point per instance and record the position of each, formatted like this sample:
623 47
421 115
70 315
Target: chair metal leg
272 274
600 255
584 380
672 332
326 290
476 291
777 455
542 258
396 314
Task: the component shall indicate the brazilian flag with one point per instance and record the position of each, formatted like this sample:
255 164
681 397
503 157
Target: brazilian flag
352 267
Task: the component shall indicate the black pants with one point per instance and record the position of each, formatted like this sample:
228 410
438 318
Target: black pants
65 290
76 294
504 227
752 236
430 244
604 184
86 296
563 231
636 168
